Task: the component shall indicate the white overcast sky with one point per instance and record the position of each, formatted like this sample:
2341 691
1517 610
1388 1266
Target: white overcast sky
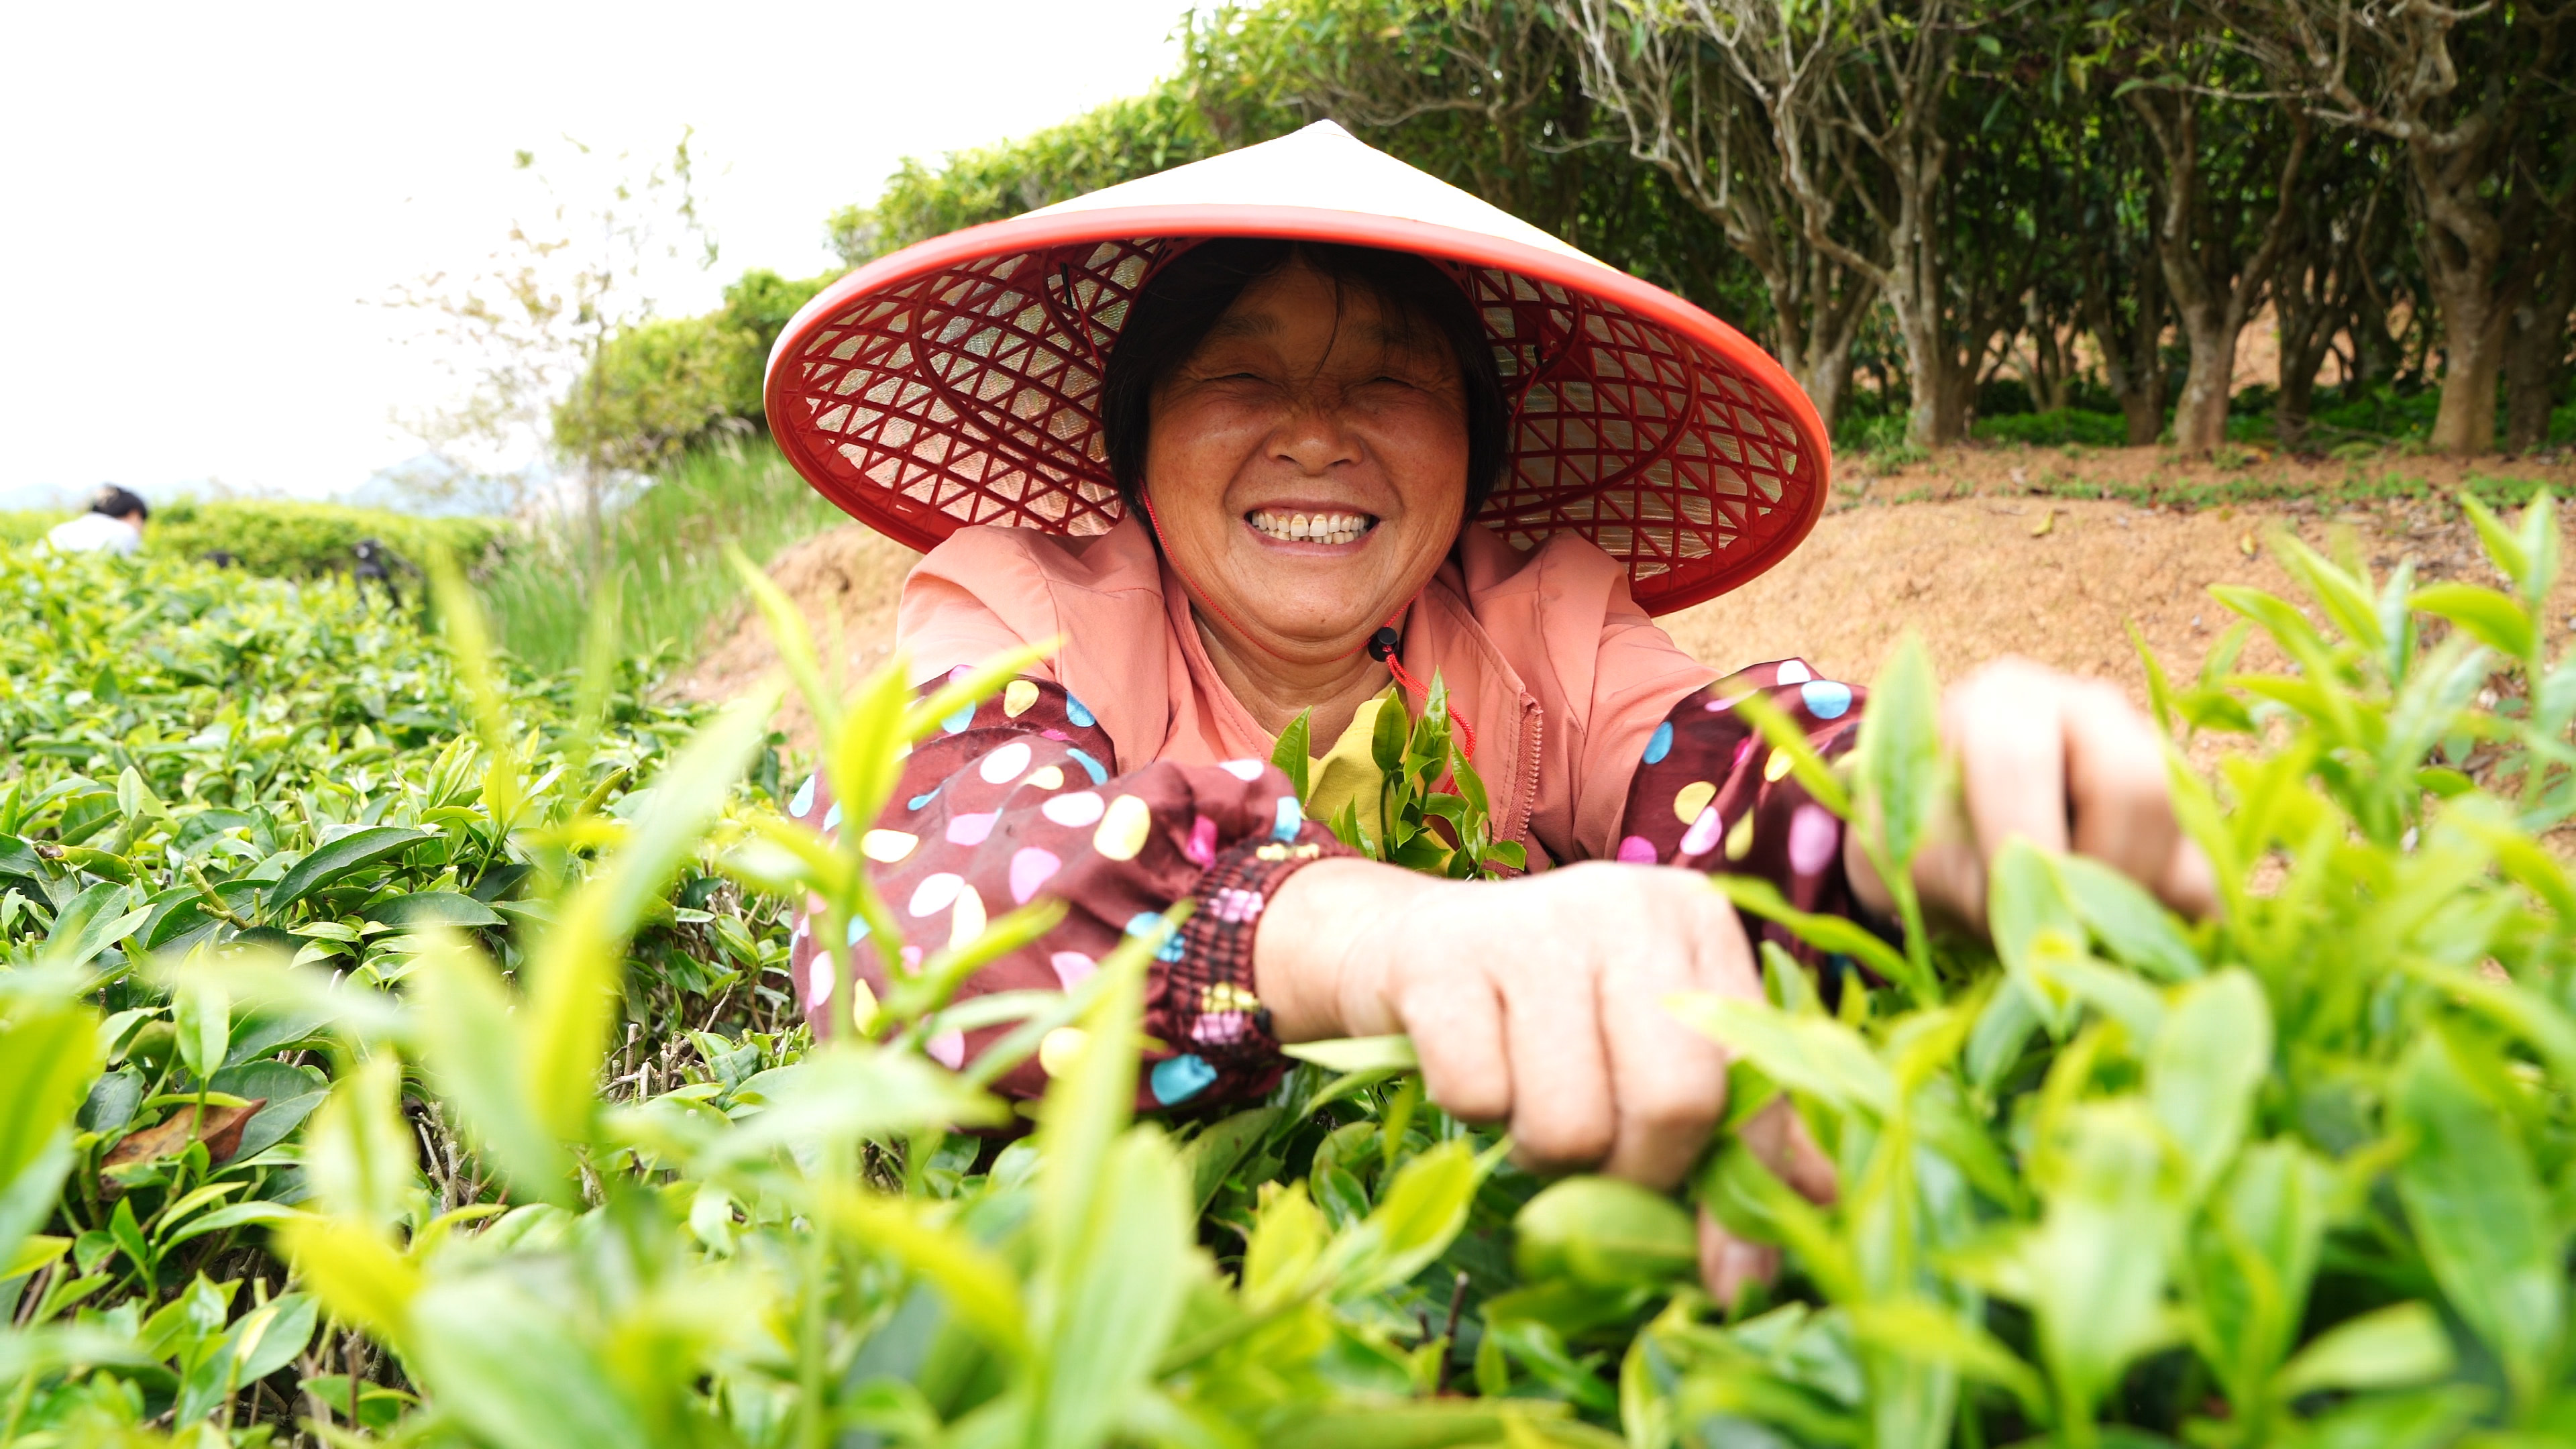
203 203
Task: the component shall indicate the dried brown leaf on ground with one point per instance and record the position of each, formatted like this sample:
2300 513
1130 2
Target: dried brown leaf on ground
220 1128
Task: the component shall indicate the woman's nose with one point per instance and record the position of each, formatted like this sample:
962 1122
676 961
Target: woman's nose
1314 436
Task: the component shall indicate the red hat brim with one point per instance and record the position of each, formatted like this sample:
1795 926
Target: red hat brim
956 382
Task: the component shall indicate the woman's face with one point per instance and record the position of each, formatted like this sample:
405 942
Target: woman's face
1308 464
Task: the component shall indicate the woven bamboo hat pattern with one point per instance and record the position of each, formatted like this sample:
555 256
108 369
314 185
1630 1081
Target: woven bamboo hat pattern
957 381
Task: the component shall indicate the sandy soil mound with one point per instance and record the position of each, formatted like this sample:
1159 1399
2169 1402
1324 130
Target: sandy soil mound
846 582
1971 560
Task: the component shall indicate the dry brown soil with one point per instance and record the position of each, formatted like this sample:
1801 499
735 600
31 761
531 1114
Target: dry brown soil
1960 549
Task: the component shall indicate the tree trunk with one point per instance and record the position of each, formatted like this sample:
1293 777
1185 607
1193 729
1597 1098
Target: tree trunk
1817 324
2215 285
2374 349
1933 419
2132 361
2308 325
2536 349
2473 331
2200 414
1827 379
1937 418
2048 362
2320 288
2293 406
1708 129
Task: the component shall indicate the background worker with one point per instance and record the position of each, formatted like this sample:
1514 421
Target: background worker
114 523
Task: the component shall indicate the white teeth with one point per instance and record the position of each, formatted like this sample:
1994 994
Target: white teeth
1311 527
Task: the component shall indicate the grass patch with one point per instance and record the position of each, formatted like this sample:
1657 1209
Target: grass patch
664 553
2355 487
2078 426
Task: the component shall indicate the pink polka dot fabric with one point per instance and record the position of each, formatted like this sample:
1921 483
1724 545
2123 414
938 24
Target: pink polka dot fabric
998 810
1709 793
1011 802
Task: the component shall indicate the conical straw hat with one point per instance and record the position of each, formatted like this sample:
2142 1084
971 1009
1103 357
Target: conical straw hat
957 381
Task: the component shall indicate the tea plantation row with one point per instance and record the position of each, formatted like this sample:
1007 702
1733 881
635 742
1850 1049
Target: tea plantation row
394 1046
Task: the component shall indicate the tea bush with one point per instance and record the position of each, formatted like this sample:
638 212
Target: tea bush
287 538
291 538
378 1066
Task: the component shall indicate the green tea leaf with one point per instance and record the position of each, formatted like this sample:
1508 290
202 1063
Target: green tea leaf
1392 732
573 973
1902 767
1832 934
1413 1223
2495 620
2541 547
1433 1424
2131 924
1604 1233
93 921
1930 1335
2398 1345
1358 1054
2503 546
2253 1257
360 1277
1816 1055
1221 1146
472 1045
789 635
48 1056
1286 1242
335 859
202 1011
2480 1214
432 908
2160 690
2203 1067
1294 752
2093 1271
359 1154
2003 1029
838 1096
1109 1293
979 1287
2028 913
505 1361
271 1336
2423 1419
2345 599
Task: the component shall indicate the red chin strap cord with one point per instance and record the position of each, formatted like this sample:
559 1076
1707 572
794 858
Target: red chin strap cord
1382 646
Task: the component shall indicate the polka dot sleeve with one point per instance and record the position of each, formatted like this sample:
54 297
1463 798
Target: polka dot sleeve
1015 799
1709 794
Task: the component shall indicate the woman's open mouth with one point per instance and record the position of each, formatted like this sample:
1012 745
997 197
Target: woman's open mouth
1291 526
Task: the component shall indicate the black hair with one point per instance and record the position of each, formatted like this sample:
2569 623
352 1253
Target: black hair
117 502
1180 304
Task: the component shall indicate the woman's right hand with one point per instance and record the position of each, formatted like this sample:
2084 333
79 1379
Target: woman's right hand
1537 1001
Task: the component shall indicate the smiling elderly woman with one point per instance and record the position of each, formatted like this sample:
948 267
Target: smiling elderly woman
1293 430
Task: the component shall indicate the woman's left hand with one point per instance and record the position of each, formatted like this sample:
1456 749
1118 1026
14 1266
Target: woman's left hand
2064 763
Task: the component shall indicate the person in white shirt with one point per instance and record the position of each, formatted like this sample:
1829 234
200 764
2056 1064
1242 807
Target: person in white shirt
114 523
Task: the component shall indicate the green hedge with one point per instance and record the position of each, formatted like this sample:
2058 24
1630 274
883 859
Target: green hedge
1124 139
286 538
675 383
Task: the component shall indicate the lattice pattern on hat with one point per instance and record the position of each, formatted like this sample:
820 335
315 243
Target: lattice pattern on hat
1637 437
968 395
